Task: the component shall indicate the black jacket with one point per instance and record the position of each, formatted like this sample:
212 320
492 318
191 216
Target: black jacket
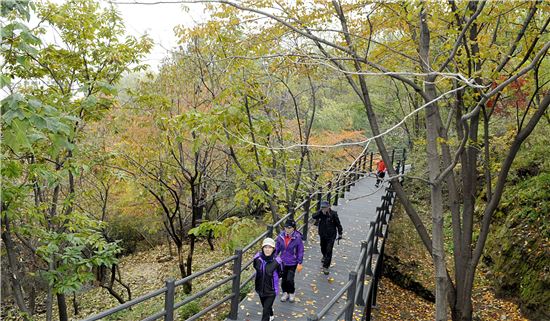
328 224
268 272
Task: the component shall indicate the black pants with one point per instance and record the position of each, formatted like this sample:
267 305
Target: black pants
326 249
288 278
267 304
380 177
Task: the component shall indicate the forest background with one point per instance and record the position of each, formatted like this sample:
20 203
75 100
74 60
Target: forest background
260 104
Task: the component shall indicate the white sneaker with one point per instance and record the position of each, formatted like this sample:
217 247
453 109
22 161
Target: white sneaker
291 297
271 318
284 297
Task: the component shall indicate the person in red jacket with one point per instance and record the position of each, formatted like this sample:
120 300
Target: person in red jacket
380 172
290 248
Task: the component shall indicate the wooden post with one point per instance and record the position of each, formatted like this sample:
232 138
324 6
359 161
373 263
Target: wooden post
169 300
336 193
371 250
236 286
360 299
351 295
306 218
319 198
370 163
329 192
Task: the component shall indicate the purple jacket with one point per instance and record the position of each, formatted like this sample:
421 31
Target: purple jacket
267 275
293 254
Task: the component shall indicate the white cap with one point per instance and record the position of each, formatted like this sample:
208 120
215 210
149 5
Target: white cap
268 241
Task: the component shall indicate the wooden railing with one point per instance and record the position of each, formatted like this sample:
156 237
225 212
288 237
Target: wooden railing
331 192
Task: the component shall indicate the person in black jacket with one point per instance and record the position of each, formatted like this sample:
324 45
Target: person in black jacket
268 271
330 229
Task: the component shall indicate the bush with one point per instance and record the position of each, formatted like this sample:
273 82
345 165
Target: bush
188 310
517 250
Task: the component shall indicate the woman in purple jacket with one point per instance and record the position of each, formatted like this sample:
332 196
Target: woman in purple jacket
290 248
268 271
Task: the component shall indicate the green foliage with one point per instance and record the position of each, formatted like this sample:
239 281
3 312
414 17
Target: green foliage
516 255
73 269
189 309
516 249
234 232
61 86
336 116
218 229
129 231
241 232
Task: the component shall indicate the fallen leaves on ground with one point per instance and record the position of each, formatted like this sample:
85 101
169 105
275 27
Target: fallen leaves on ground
396 303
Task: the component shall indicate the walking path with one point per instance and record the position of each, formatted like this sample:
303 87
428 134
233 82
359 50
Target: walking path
314 289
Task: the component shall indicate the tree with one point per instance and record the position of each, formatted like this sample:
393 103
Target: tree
450 52
55 90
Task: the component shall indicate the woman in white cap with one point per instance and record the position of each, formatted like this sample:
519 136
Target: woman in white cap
268 271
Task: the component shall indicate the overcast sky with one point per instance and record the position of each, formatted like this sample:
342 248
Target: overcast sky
158 21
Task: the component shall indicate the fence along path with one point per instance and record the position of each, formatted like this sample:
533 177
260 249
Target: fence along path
314 290
319 298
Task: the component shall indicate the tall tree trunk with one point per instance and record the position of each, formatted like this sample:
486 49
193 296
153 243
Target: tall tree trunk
62 307
181 264
13 266
434 169
49 303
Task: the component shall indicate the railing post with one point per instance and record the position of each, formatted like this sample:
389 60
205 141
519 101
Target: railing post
404 154
351 295
306 217
329 192
370 163
398 168
360 299
375 239
343 187
368 311
169 300
236 286
377 274
270 230
336 193
319 199
364 163
371 250
313 317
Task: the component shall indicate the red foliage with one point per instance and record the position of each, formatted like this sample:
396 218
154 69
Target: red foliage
513 97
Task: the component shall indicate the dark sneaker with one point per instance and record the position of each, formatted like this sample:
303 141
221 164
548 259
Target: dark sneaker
325 271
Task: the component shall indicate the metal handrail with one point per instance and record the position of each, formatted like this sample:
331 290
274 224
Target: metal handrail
369 248
126 304
256 240
204 291
208 269
341 183
155 316
211 306
332 302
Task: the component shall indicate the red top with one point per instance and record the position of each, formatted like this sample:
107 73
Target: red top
287 239
381 166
